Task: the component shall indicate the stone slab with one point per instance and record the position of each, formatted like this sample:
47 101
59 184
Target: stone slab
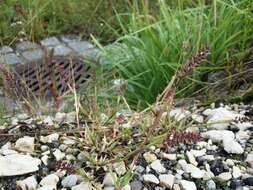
70 38
5 49
52 41
61 50
80 47
33 55
26 45
10 59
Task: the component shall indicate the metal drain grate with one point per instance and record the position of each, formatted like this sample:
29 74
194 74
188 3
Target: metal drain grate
50 78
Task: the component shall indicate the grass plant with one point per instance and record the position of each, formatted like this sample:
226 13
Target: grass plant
154 46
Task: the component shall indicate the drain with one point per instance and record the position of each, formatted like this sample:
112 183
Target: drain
49 78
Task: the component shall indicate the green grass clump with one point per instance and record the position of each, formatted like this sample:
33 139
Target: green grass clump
155 45
35 19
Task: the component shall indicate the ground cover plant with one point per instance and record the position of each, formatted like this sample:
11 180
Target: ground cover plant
34 19
155 45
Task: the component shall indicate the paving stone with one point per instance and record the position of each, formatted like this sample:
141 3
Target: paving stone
70 38
93 54
5 50
26 45
52 41
10 59
33 55
61 50
80 47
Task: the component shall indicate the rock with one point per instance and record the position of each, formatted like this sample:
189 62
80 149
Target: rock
157 166
176 187
249 159
167 180
242 136
119 168
83 186
197 173
150 178
218 135
169 156
109 188
191 158
45 159
69 181
236 172
183 164
58 155
22 116
65 117
210 185
17 164
149 157
217 167
25 144
136 185
225 176
220 118
29 183
231 146
198 118
49 138
248 181
110 179
50 180
188 185
48 120
126 187
235 184
244 126
230 162
179 113
5 50
47 187
198 153
61 50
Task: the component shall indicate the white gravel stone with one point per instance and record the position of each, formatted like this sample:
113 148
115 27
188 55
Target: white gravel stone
198 153
220 118
183 164
25 144
69 181
218 135
249 159
50 138
169 156
191 158
208 157
231 146
17 164
58 155
157 166
188 185
236 172
149 157
29 183
198 118
244 126
110 179
83 186
44 159
179 113
167 180
197 173
50 181
126 187
225 176
242 136
150 178
119 168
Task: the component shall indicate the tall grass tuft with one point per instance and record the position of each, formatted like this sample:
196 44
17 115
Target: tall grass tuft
155 45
